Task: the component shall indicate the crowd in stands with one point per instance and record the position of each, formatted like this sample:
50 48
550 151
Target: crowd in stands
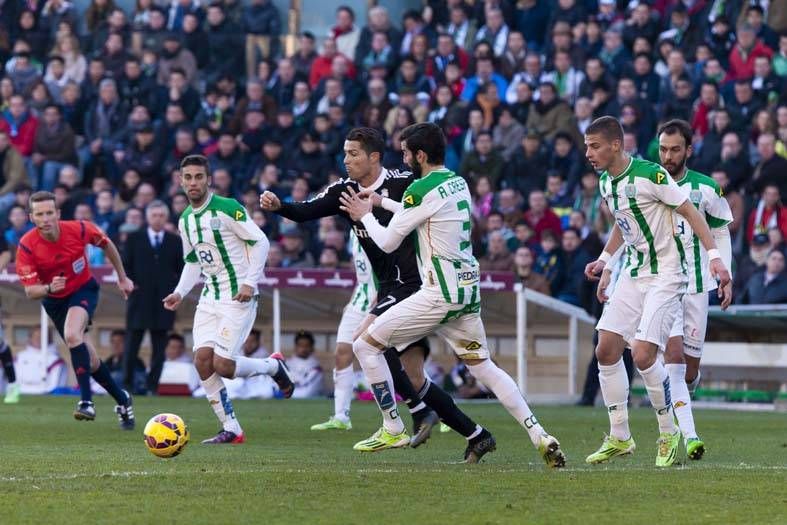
100 108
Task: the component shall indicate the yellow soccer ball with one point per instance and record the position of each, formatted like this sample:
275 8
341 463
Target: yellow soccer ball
166 435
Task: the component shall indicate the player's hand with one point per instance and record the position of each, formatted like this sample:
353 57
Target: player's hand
269 201
603 284
722 275
593 269
126 286
172 301
58 284
353 205
376 198
245 294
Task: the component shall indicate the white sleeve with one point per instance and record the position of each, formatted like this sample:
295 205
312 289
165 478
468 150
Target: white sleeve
717 211
667 190
615 259
245 229
188 249
391 205
258 255
190 276
721 236
402 223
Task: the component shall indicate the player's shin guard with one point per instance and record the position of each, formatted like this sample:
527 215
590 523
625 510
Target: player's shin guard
105 379
614 383
658 386
8 362
681 401
378 375
342 392
220 403
439 401
506 391
404 387
251 366
80 360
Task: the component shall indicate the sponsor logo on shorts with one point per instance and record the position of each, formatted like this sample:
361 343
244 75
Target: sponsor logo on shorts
679 404
225 332
468 277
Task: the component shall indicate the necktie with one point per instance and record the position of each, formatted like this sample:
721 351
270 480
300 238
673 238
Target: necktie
157 246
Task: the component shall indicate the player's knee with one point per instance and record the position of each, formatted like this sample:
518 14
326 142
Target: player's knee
610 348
73 337
365 348
644 354
344 355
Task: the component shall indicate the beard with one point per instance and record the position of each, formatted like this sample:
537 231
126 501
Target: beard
676 169
416 169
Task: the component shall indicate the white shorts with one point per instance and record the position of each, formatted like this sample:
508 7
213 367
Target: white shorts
351 320
223 327
643 309
691 323
425 313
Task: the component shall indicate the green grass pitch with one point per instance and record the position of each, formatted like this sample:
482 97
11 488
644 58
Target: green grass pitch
56 470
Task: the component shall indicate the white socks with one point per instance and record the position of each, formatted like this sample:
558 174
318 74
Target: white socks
342 392
506 391
658 386
681 401
220 403
252 366
615 390
378 375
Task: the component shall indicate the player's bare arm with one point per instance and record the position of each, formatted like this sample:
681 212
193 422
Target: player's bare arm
717 268
125 284
615 241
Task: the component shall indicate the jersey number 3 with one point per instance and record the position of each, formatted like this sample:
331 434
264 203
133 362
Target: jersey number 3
466 225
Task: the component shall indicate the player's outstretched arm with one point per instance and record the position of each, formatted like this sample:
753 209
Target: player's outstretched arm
717 266
378 201
188 278
323 205
615 241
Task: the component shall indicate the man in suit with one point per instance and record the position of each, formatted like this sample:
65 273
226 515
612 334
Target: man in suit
155 258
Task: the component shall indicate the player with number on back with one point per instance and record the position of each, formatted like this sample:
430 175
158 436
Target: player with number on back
399 278
222 244
643 307
436 205
52 266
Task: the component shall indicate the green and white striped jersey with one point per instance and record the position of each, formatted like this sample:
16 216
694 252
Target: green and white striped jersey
217 236
707 197
365 292
643 199
437 206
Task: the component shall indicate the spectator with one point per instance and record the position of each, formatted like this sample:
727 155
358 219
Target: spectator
767 286
574 289
734 160
495 31
225 44
709 153
497 257
19 125
103 128
345 33
527 170
483 198
591 242
745 51
12 173
39 370
734 199
294 254
178 376
262 25
485 73
768 214
305 55
484 159
540 217
508 134
771 168
550 115
523 268
549 261
176 57
115 362
19 224
55 146
751 261
305 368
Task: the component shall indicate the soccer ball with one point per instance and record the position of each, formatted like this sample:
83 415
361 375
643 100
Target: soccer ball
166 435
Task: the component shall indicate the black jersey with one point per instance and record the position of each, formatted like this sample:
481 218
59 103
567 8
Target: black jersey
392 269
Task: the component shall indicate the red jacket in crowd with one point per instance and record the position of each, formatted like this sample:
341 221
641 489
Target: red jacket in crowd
742 64
25 136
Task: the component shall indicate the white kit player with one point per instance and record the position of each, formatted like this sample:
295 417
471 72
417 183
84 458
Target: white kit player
642 309
687 337
222 244
437 207
361 303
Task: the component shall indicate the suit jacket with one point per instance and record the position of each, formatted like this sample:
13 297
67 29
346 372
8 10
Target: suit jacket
155 276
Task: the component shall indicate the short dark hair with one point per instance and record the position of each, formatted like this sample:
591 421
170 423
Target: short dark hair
371 140
426 137
118 331
196 160
41 196
574 231
176 337
304 334
608 127
677 126
347 9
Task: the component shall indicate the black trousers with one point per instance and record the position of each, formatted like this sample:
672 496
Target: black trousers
158 339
